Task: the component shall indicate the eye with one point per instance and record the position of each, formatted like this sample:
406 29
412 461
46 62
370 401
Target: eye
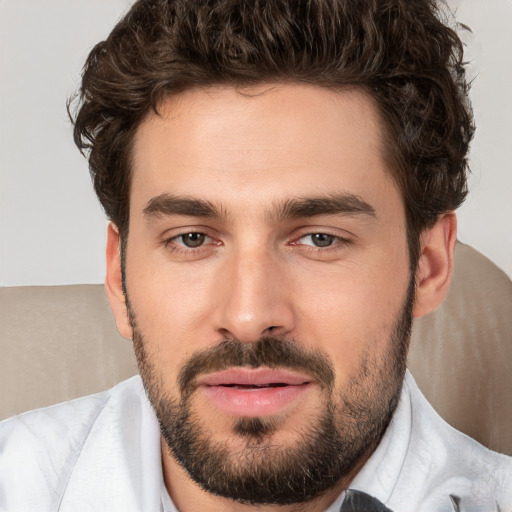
191 240
190 245
319 240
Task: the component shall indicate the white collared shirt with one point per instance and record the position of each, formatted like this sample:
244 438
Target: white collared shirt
102 452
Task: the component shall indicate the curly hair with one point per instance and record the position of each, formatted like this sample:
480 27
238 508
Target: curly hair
402 52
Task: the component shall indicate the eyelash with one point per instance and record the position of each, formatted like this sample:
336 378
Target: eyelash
173 247
338 242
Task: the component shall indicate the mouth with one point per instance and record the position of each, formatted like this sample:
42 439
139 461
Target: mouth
251 392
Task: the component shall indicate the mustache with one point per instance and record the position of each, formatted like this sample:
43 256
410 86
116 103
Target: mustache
269 352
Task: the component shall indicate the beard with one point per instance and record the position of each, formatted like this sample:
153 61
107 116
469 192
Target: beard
327 448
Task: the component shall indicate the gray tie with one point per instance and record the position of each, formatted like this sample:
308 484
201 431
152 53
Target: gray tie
357 501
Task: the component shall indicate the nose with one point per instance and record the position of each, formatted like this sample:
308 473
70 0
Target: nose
254 297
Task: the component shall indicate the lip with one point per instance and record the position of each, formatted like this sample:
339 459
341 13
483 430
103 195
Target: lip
254 392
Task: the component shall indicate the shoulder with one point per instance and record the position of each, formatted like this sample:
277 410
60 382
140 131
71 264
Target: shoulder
443 464
42 446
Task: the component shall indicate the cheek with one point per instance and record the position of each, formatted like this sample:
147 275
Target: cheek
350 313
171 310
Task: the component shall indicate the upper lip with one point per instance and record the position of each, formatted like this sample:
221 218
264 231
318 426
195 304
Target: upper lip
253 377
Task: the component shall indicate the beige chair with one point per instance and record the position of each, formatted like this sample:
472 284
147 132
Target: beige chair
461 355
60 342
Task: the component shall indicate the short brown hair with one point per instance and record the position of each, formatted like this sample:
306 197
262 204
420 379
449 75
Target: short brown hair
400 51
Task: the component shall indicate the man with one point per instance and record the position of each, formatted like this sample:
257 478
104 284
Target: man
280 179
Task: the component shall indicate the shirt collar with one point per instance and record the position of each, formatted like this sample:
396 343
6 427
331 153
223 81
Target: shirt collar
378 477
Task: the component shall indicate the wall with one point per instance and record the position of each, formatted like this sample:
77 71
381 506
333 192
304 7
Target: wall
52 230
485 220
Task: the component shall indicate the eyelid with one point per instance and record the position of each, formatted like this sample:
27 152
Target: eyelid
175 232
339 234
169 238
181 235
338 241
311 235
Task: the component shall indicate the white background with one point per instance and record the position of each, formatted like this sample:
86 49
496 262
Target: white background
52 230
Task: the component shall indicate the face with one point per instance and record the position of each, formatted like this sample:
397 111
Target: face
268 286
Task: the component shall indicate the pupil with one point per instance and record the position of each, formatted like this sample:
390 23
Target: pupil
322 240
193 239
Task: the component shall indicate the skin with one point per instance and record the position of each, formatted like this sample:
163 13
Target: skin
259 269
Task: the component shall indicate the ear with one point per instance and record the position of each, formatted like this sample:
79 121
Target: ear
113 283
435 267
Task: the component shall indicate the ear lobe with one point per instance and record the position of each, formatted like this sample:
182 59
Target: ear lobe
113 283
435 267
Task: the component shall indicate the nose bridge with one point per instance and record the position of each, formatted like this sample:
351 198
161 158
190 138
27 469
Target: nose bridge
255 298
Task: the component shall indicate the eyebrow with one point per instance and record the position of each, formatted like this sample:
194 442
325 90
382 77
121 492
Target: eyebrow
346 204
166 205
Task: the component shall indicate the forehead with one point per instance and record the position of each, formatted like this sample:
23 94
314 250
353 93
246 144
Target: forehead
260 144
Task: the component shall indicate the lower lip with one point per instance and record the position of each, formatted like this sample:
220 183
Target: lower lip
254 401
